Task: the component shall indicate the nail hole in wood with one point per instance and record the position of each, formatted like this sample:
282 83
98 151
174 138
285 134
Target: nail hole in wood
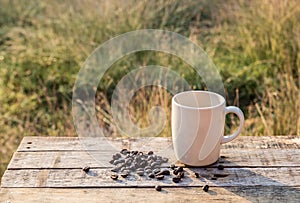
28 147
29 142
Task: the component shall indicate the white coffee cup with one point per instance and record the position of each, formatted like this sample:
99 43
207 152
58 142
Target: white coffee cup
198 119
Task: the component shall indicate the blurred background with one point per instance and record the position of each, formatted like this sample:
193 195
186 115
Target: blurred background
254 44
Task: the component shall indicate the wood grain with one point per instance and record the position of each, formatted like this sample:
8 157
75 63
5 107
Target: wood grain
102 144
115 195
101 178
96 159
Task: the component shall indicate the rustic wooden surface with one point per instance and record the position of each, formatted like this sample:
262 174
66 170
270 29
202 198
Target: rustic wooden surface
47 169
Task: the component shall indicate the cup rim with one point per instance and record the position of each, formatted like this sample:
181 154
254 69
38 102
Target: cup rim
198 91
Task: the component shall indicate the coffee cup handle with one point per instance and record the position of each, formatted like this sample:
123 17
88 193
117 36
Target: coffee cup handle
239 113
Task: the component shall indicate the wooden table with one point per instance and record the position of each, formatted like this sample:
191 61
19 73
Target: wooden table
49 169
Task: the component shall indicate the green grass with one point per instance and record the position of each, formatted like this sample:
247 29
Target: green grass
255 45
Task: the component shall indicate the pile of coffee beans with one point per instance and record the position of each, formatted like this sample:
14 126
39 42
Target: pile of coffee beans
143 164
178 172
147 164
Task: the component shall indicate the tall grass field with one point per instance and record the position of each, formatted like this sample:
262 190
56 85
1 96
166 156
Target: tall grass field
43 44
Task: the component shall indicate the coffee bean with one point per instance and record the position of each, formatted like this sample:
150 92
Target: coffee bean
196 175
205 188
140 173
121 164
136 164
137 159
181 174
140 153
223 157
147 167
116 162
151 158
175 172
131 168
143 164
220 167
165 172
135 152
124 151
176 179
86 169
158 162
124 175
150 153
154 165
160 177
115 169
157 170
158 188
150 163
180 169
111 161
172 166
140 169
117 156
165 160
151 175
128 161
114 176
122 161
148 171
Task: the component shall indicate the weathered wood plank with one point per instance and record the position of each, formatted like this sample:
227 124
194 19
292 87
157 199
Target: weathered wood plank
264 142
68 144
101 178
78 159
257 169
80 144
115 195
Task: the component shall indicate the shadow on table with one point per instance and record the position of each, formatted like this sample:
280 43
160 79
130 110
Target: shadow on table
251 182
